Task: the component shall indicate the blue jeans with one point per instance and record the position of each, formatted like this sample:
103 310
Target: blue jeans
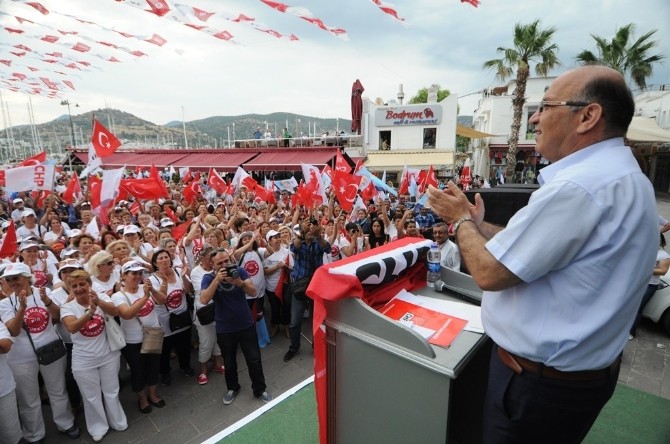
248 342
648 293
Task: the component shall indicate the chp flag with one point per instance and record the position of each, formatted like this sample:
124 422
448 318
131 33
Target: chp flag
29 178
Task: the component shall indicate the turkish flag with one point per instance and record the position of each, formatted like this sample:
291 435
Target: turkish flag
159 7
153 173
428 178
341 163
9 246
104 142
216 182
73 190
170 214
143 189
179 231
191 192
346 187
94 189
135 208
264 194
39 196
34 160
312 177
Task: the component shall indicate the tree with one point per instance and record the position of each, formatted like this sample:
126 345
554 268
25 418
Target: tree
531 44
630 59
422 95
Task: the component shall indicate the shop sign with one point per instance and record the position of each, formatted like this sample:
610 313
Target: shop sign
422 114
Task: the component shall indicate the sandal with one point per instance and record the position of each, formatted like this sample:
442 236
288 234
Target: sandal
160 403
144 410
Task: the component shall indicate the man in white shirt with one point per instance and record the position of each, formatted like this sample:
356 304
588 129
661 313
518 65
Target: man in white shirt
450 256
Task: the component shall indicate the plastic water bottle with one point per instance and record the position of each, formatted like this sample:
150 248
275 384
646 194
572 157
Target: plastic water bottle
434 259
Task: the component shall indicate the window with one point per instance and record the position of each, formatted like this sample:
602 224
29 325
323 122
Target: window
384 140
429 136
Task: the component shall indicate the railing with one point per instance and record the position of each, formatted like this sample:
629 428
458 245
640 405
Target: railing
343 141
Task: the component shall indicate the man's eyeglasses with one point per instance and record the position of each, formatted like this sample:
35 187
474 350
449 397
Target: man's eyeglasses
439 232
550 103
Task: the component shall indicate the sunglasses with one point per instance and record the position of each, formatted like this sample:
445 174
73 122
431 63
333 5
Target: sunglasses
108 263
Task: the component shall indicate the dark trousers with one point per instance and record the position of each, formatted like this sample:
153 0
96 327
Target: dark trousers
248 342
71 386
648 293
280 309
144 368
181 342
298 305
528 408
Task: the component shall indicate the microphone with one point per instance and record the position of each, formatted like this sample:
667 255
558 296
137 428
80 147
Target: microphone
439 285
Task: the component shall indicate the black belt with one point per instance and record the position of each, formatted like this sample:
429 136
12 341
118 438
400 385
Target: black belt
518 365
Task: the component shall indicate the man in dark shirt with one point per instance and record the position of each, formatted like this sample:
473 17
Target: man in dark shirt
234 325
308 249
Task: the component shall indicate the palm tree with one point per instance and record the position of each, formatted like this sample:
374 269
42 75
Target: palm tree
628 58
531 44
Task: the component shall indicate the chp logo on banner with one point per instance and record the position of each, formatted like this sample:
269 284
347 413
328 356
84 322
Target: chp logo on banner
28 178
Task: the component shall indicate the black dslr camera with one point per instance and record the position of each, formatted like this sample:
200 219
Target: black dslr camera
232 271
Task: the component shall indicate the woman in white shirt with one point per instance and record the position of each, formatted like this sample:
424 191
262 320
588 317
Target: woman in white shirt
34 308
136 304
208 346
173 287
104 272
10 430
94 366
279 262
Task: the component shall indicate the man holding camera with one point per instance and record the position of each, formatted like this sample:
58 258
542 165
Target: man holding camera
308 249
227 285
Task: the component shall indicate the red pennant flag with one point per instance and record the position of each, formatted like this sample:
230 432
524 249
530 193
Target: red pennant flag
158 7
94 189
39 7
153 172
135 208
104 142
341 163
429 179
34 160
346 188
216 182
9 246
73 190
179 231
170 214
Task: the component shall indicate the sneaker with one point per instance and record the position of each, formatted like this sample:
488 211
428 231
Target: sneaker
289 355
97 438
203 379
229 397
72 433
220 370
265 397
630 337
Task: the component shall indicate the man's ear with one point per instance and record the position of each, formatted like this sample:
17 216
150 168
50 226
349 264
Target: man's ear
590 116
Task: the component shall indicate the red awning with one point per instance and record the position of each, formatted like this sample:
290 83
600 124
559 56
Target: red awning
131 160
226 161
289 160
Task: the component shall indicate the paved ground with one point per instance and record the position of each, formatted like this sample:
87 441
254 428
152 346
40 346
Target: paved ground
195 413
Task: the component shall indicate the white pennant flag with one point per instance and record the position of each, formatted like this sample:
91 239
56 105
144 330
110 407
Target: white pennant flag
111 179
92 228
93 164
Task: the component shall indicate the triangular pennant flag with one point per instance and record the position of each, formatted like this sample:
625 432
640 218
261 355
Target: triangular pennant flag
9 246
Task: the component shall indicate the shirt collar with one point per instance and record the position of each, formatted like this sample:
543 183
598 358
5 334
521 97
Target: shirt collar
549 172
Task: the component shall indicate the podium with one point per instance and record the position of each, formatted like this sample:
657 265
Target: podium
386 384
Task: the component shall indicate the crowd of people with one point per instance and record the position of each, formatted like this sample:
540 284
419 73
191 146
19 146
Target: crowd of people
206 273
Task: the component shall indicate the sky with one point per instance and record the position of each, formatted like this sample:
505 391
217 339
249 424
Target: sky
194 75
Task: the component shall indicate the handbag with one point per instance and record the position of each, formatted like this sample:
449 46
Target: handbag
50 352
152 340
115 336
152 337
180 320
299 287
205 314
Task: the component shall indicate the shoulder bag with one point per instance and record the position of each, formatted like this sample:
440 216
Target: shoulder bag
205 314
152 337
48 353
115 336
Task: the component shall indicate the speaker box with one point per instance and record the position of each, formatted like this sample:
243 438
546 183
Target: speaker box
503 201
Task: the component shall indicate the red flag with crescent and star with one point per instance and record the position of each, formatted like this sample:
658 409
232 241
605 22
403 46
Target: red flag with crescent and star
216 182
73 190
94 189
341 163
34 160
104 142
346 188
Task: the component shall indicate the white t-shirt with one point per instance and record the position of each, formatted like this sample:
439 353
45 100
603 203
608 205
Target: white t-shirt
7 383
660 256
108 287
24 231
51 236
59 297
40 277
253 265
39 322
272 279
196 279
147 316
175 302
89 345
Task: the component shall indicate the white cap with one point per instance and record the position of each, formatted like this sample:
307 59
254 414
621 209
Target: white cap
131 229
28 244
18 200
68 252
74 233
17 268
132 266
26 213
6 223
166 222
270 234
70 263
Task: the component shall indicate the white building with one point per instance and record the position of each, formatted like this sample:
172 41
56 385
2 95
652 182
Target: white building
414 135
655 104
